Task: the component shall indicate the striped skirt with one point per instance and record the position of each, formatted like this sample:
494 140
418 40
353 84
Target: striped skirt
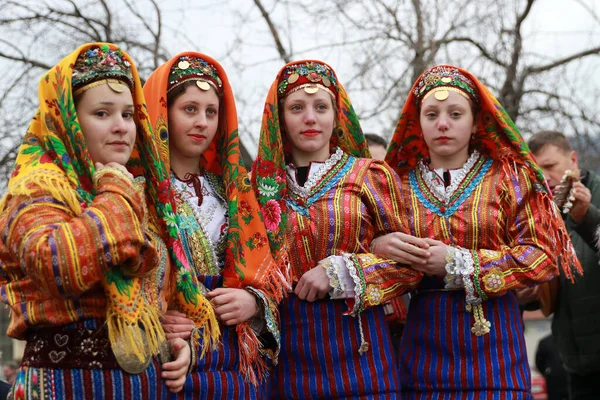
441 359
319 357
217 375
93 384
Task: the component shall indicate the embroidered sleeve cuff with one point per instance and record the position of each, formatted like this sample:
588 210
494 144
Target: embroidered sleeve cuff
460 267
468 278
265 322
455 268
339 277
359 288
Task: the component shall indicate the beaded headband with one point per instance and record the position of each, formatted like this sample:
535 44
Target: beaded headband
440 81
194 68
99 65
310 76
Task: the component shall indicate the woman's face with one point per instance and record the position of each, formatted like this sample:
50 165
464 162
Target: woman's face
447 126
309 121
107 123
193 122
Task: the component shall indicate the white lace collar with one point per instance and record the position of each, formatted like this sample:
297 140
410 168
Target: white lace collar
430 177
316 172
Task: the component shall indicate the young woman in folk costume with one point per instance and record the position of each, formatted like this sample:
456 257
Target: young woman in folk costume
471 187
311 172
82 264
224 240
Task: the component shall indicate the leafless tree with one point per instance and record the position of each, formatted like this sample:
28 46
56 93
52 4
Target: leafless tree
391 42
34 35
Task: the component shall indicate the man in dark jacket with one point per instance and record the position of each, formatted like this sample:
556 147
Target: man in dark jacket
576 324
548 363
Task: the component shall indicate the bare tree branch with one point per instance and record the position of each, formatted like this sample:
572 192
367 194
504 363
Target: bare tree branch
274 33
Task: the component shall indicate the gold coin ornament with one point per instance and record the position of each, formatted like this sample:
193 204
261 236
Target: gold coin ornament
326 81
129 362
116 86
311 89
446 79
293 78
203 85
183 65
441 95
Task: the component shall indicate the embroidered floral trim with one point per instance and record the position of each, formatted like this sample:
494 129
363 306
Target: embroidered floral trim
374 295
304 191
269 308
194 220
493 280
444 195
432 203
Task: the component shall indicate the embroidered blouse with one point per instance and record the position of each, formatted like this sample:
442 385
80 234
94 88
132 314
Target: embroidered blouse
343 205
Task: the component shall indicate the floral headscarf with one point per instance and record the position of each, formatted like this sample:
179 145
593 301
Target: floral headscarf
249 261
496 137
268 171
54 148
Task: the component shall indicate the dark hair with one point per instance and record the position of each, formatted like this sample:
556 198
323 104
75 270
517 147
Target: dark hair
375 139
179 90
542 138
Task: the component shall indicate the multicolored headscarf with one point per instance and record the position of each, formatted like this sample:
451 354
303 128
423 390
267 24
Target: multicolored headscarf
54 157
249 261
496 137
268 171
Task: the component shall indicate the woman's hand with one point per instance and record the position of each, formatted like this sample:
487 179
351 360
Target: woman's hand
435 264
313 285
177 325
402 248
174 372
233 306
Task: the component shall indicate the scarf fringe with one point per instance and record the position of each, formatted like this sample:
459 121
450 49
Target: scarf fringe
566 259
252 365
207 333
48 182
276 285
146 329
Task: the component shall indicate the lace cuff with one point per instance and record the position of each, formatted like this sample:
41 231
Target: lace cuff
460 270
339 277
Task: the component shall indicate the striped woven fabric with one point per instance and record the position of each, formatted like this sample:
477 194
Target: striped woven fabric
342 212
319 357
217 375
491 215
51 384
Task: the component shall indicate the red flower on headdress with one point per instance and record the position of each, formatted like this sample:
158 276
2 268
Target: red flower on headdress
271 215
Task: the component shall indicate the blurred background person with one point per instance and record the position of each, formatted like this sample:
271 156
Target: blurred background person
576 323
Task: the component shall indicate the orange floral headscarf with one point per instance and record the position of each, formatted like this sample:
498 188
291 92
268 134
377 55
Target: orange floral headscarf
249 260
268 171
496 137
